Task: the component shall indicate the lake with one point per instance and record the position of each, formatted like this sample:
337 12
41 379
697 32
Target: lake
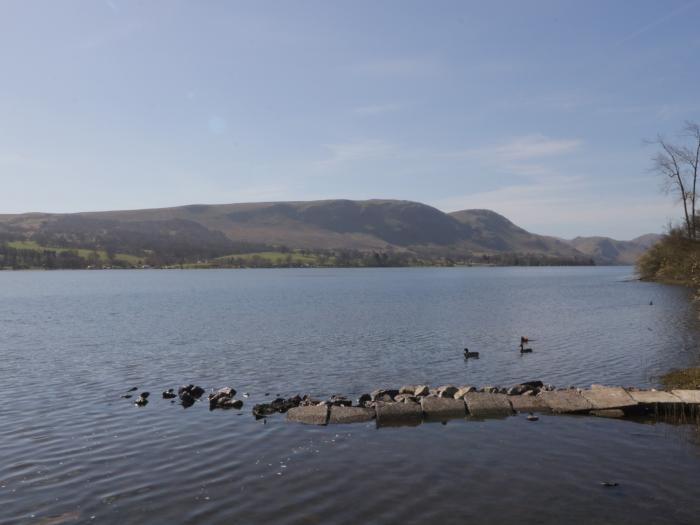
73 451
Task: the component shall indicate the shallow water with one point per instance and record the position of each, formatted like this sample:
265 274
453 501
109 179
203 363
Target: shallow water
73 451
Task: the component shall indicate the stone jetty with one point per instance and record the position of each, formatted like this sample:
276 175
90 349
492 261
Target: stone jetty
411 405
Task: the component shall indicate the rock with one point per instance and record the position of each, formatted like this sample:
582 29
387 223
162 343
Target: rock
223 398
565 401
421 390
399 414
343 414
190 391
484 404
603 398
408 389
690 397
281 405
145 395
169 394
364 400
223 392
532 384
141 401
197 392
187 399
610 412
401 397
488 389
442 409
528 403
461 391
309 415
447 391
651 397
338 400
229 403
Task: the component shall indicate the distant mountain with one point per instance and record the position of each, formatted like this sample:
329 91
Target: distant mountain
604 250
205 231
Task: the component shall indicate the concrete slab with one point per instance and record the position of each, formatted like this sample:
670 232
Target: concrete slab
482 404
689 397
565 401
528 404
341 414
311 415
608 397
648 397
442 409
399 414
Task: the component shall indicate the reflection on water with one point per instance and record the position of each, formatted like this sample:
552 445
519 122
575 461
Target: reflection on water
74 451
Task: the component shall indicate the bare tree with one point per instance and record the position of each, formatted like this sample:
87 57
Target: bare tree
679 164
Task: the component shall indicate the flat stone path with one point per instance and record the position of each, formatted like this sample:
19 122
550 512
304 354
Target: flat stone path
605 401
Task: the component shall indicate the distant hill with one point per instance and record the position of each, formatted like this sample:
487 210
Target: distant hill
202 232
605 250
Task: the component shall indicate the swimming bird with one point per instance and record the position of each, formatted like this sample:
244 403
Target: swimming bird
524 350
469 355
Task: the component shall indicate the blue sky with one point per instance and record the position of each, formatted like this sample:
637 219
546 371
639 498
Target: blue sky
538 110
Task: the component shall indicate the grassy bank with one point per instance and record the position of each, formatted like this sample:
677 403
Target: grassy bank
675 259
681 378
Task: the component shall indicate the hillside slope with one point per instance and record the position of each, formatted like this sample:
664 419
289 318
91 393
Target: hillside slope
607 251
197 231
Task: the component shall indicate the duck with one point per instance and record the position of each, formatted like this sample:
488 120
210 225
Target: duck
470 355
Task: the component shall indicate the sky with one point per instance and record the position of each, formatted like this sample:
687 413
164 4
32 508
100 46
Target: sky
540 110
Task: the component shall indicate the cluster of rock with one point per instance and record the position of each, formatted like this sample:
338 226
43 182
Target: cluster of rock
223 398
282 405
190 394
412 404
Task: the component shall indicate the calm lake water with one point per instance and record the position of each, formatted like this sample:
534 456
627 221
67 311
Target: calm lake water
73 451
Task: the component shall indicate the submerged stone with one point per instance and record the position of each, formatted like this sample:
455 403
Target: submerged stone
309 415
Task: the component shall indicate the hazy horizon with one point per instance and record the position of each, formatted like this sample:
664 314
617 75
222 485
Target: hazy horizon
537 111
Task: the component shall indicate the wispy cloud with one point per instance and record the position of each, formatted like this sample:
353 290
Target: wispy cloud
523 148
347 152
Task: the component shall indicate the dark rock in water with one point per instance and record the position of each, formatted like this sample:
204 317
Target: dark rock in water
185 388
133 389
384 395
340 401
141 401
169 394
280 405
189 394
145 395
229 403
197 392
187 399
223 398
421 390
364 400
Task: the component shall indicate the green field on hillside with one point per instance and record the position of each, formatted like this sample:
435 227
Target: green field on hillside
82 252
